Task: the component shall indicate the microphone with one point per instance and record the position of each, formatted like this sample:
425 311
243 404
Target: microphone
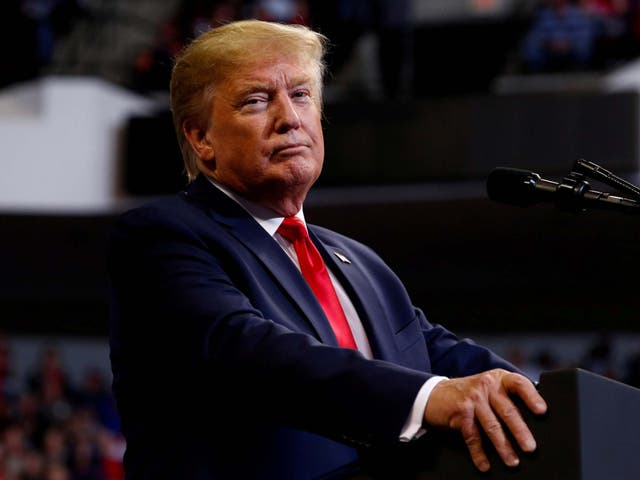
523 189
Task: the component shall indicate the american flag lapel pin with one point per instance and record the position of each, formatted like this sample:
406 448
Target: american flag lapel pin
342 258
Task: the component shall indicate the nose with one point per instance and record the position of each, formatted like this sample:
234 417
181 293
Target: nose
286 115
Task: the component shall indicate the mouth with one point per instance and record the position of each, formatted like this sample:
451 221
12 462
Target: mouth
289 149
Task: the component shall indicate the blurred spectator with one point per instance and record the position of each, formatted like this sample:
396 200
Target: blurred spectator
14 451
8 387
609 17
543 361
4 364
346 21
95 395
49 378
606 8
33 466
54 446
152 68
632 24
283 11
562 38
85 461
28 411
50 386
57 471
517 357
112 449
5 413
599 358
198 16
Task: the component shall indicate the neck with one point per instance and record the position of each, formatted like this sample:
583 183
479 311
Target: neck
284 206
285 201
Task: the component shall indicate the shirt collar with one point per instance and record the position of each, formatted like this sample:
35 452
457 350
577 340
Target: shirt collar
266 218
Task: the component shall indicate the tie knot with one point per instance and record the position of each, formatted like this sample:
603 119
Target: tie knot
292 229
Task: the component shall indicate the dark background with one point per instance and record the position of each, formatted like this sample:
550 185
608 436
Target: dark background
469 263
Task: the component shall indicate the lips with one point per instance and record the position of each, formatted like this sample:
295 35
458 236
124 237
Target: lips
290 149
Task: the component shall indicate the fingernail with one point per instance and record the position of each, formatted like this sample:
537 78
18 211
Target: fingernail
530 445
514 462
541 407
484 466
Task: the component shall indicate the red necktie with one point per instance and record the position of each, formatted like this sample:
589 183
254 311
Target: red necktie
315 273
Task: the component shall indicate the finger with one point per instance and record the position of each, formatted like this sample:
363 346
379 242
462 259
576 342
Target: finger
472 439
512 419
522 386
492 427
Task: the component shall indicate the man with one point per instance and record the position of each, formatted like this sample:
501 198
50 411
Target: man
243 348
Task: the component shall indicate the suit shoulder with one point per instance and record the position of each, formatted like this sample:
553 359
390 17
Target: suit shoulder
174 217
176 210
161 207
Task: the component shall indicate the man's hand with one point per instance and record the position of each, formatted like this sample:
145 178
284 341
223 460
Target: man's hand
482 401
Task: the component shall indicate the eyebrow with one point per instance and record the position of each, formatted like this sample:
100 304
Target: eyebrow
253 86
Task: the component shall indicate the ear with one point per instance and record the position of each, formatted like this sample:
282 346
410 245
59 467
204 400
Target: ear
199 141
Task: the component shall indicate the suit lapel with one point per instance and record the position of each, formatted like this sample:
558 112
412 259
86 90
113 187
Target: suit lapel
362 294
247 231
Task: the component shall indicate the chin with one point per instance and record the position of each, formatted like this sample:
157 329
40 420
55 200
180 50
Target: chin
300 174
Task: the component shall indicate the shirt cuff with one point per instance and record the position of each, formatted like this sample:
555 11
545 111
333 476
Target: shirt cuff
412 428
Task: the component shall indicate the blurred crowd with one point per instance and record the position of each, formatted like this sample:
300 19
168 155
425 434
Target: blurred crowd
53 430
573 35
555 35
43 24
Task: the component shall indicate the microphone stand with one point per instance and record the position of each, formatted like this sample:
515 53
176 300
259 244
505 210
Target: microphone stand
596 172
571 191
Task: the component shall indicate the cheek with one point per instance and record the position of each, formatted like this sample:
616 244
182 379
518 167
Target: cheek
240 148
316 132
319 140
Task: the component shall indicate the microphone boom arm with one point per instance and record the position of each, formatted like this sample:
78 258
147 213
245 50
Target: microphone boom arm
596 172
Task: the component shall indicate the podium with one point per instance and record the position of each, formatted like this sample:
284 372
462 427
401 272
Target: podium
590 432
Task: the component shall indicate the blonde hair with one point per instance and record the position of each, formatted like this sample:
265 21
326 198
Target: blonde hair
212 58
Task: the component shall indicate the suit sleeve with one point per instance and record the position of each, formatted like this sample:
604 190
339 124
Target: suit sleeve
184 335
454 357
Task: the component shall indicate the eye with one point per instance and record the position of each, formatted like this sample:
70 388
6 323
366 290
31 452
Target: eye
301 94
254 100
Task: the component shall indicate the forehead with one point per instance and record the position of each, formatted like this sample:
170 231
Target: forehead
270 72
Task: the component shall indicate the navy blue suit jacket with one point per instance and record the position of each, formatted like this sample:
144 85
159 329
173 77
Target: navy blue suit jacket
225 365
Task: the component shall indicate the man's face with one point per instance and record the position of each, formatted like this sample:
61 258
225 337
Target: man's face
265 133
